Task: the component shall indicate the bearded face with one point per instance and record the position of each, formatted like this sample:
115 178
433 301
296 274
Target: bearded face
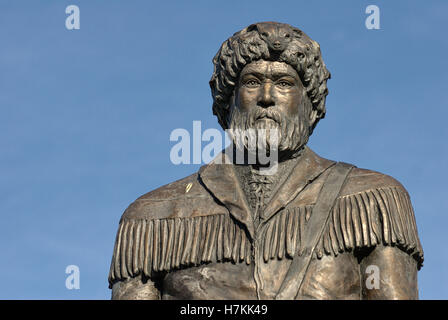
270 108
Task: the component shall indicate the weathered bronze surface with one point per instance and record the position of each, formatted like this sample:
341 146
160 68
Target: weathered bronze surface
230 232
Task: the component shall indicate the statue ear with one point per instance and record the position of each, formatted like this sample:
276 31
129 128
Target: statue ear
230 107
232 100
312 112
297 33
313 116
252 27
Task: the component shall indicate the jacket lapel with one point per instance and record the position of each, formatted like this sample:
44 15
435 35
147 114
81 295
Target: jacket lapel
220 179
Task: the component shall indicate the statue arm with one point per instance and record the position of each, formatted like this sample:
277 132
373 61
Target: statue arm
135 289
388 273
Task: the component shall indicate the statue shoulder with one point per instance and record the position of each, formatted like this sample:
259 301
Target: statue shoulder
373 209
362 180
162 230
183 198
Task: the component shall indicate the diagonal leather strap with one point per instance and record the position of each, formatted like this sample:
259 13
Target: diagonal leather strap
315 228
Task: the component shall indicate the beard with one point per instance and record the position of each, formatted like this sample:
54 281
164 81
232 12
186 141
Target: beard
267 128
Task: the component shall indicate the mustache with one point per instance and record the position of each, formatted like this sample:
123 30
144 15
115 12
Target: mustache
293 131
269 113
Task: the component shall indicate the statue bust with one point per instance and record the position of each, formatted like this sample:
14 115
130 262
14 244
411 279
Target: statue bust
311 229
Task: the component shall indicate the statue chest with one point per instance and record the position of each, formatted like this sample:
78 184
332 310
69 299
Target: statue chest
254 269
327 278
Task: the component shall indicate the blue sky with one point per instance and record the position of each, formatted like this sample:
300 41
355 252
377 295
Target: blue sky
86 115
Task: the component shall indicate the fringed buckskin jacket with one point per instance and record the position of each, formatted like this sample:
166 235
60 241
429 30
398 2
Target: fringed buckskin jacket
196 239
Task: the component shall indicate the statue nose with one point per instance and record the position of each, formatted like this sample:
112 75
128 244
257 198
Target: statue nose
265 98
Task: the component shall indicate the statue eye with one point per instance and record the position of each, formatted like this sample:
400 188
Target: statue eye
251 83
284 84
287 35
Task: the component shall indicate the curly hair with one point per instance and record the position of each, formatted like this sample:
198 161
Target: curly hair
270 41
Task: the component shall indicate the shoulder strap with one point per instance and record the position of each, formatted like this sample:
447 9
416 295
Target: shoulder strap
315 227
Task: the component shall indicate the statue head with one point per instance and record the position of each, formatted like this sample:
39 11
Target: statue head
270 75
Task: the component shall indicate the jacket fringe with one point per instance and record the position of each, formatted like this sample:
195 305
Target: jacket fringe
150 246
366 219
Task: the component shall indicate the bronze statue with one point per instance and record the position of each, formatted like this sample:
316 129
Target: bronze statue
314 229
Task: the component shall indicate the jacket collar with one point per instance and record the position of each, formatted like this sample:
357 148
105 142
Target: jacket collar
220 179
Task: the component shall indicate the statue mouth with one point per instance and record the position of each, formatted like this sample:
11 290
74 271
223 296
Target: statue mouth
266 123
266 118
